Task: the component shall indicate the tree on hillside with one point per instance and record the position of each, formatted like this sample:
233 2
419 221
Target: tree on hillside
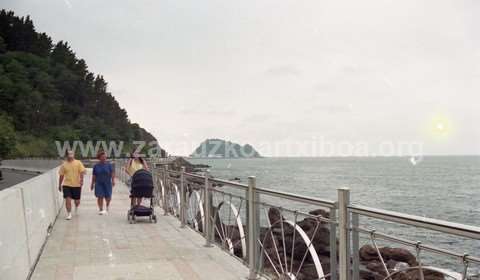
48 94
7 136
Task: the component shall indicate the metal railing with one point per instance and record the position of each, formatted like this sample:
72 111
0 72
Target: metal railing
443 227
287 236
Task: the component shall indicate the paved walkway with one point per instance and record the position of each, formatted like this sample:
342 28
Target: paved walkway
91 246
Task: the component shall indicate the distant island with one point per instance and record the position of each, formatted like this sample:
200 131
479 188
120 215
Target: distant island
218 148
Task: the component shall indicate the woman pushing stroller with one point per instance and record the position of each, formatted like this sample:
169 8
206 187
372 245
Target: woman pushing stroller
134 164
141 186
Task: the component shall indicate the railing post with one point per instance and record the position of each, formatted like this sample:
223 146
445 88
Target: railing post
333 242
182 197
355 247
253 221
165 188
208 207
120 170
123 172
343 228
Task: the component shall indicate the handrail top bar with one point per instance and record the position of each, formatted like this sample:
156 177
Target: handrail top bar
194 175
221 181
467 231
230 183
299 198
275 193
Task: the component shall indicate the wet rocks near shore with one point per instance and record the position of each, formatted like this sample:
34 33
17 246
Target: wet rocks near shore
284 246
282 239
400 263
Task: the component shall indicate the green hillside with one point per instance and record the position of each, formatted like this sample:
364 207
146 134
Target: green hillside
47 94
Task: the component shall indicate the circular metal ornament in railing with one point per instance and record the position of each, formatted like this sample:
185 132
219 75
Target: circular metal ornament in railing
231 235
278 251
173 199
160 192
195 213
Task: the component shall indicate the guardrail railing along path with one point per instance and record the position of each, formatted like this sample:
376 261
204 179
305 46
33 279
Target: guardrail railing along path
282 235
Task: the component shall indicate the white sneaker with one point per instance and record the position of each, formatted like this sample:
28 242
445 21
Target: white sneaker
105 212
100 212
69 216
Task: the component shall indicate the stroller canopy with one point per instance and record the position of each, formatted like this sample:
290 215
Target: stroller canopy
142 184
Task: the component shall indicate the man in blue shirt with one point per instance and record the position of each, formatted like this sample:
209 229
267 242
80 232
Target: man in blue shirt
103 180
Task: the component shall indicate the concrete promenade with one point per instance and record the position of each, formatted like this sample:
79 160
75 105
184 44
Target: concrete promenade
91 246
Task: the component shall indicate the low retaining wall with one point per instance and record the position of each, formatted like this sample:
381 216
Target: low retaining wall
27 210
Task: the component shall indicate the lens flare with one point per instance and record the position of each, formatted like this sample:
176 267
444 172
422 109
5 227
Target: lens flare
441 126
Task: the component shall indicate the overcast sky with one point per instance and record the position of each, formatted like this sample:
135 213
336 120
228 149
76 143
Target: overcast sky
283 71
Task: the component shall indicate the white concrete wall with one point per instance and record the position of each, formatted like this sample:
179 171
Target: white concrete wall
14 259
26 212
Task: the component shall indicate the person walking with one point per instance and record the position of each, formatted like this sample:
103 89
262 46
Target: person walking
103 181
70 182
135 163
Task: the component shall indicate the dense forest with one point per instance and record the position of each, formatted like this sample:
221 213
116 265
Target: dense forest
47 94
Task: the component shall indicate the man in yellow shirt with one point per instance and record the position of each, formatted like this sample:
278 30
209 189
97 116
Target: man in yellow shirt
71 181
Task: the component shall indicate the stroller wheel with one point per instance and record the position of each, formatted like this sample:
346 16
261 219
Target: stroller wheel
132 219
150 218
154 218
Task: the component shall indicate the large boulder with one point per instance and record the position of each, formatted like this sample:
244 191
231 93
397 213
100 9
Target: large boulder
320 212
368 253
275 215
399 262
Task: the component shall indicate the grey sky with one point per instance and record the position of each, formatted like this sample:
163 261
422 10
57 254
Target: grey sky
283 70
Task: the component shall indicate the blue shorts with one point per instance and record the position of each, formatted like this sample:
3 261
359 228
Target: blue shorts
103 191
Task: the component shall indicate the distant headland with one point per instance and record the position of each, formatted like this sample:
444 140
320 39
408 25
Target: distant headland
218 148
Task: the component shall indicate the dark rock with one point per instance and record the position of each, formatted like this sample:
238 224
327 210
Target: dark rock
427 275
274 216
368 253
308 224
376 267
320 212
393 258
366 275
399 255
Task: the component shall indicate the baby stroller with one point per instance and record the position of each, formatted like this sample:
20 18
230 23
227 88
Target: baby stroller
142 187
